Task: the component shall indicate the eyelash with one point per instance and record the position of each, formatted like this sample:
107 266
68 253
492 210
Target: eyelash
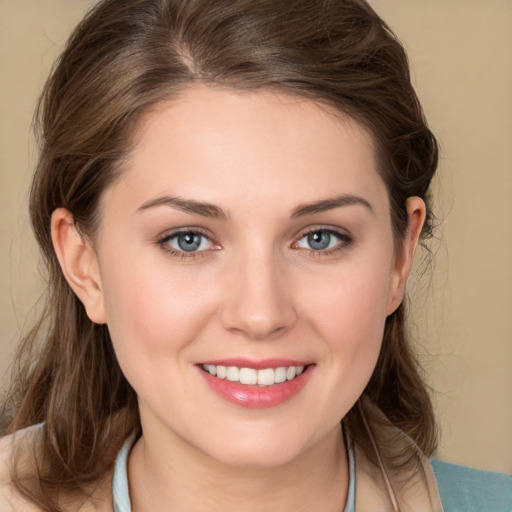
163 243
344 241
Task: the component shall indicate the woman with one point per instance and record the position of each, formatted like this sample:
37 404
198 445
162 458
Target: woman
228 198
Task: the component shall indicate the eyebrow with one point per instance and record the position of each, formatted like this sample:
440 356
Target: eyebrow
210 210
330 204
186 205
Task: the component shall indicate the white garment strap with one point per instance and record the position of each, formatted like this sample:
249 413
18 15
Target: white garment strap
121 491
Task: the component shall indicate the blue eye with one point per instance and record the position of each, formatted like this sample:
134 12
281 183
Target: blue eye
187 242
322 240
319 240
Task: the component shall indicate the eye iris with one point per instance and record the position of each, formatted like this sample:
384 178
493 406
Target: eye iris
319 240
189 241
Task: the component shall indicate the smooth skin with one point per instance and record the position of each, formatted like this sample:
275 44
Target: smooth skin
244 225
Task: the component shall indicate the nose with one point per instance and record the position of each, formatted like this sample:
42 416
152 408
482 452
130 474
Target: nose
259 304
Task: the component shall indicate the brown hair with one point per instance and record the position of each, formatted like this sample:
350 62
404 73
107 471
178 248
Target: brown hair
123 58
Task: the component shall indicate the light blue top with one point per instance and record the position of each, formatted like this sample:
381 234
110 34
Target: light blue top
121 495
462 489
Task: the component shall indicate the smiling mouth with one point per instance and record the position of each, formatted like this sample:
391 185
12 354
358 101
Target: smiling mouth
253 377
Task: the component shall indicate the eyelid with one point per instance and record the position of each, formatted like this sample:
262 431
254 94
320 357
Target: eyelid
163 239
344 237
341 232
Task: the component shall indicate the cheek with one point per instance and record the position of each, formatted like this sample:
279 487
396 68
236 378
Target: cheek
151 309
350 303
153 317
348 310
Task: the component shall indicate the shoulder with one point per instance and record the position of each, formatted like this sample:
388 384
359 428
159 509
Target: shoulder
10 499
466 489
22 445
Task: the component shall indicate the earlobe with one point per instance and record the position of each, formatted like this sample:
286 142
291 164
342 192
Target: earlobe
416 214
79 264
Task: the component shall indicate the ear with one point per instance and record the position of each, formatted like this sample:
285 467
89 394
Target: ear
79 264
416 214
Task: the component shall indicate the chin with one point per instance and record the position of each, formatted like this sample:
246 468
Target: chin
258 449
257 458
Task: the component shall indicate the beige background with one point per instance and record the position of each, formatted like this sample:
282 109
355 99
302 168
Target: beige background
461 53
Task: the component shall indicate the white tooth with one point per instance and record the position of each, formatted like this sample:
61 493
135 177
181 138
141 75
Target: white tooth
299 369
211 369
290 373
266 377
280 374
248 376
221 372
233 374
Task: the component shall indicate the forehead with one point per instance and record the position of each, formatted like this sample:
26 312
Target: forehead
218 144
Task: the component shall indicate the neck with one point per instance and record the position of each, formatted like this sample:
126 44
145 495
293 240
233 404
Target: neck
180 479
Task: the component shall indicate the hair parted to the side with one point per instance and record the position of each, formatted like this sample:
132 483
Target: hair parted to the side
121 60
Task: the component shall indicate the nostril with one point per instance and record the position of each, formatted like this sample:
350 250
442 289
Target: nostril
257 325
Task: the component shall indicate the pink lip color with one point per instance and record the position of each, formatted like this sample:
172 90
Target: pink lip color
257 397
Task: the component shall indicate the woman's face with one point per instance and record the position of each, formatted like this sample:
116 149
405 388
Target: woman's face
249 236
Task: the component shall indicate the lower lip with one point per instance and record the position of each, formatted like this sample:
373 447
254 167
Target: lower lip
257 397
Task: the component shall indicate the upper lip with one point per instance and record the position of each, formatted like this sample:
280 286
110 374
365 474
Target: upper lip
259 364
